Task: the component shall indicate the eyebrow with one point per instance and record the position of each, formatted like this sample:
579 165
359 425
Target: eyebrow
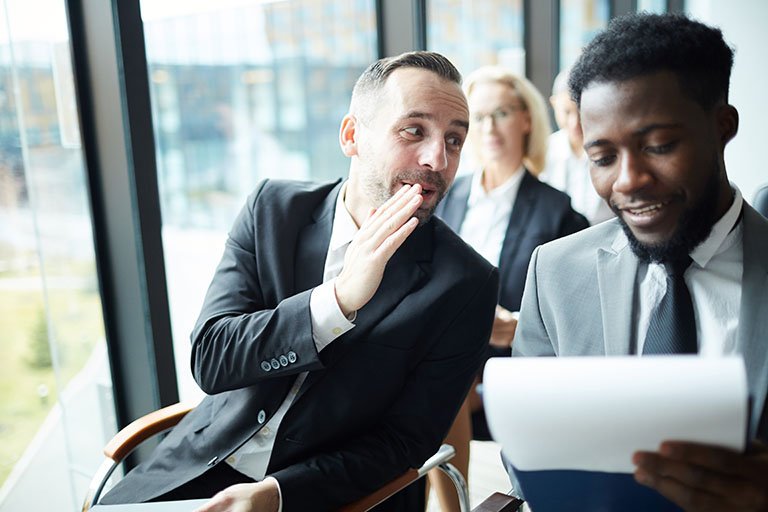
639 132
423 115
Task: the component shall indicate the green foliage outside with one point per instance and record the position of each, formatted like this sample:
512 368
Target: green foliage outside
77 326
39 348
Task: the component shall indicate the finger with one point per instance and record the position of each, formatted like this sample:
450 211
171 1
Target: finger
718 459
685 478
396 201
393 242
209 506
395 220
686 497
394 205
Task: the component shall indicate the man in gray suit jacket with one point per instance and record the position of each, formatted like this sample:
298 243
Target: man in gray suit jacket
337 339
653 96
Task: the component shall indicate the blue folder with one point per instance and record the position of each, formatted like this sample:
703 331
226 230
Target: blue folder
593 491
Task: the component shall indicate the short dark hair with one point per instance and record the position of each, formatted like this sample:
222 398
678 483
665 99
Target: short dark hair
375 76
640 44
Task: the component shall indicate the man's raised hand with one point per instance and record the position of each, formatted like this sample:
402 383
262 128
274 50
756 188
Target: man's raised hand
381 234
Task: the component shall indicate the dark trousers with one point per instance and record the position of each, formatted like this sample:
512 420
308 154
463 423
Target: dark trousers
216 479
221 476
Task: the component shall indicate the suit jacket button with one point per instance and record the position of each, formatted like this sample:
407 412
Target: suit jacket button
275 363
292 357
213 461
266 366
283 361
262 416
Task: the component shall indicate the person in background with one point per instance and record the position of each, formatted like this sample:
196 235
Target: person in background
567 166
683 268
344 324
504 212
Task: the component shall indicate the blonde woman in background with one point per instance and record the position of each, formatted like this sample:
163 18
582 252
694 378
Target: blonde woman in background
504 212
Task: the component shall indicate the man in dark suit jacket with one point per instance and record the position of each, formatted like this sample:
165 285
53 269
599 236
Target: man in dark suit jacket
325 385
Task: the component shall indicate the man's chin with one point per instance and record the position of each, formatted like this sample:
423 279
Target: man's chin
424 215
679 245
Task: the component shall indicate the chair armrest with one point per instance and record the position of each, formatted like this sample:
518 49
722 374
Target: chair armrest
498 502
145 427
445 453
125 441
383 493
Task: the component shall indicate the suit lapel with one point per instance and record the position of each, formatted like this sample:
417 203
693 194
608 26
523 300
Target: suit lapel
616 274
404 271
753 318
454 206
312 244
518 222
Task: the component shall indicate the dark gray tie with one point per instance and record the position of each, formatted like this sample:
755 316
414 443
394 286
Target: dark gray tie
673 328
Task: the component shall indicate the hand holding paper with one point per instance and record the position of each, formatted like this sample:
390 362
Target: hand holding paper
701 477
571 426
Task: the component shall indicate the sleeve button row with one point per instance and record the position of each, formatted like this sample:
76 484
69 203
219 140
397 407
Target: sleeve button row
274 363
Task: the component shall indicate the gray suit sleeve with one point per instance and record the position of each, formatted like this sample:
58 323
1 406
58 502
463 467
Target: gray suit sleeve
531 337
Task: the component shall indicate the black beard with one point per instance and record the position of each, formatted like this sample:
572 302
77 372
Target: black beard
694 227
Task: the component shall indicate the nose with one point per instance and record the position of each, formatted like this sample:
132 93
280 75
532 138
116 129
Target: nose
633 175
434 154
488 123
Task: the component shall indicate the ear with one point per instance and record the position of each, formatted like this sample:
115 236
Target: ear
727 118
348 135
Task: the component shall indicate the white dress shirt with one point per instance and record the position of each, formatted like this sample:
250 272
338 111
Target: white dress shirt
328 323
569 173
714 281
485 223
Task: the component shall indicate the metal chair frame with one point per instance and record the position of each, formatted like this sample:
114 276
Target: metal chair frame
157 422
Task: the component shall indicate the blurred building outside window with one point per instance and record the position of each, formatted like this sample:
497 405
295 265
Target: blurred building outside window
580 20
56 407
242 91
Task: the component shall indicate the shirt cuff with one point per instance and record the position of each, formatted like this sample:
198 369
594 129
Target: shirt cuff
328 322
279 493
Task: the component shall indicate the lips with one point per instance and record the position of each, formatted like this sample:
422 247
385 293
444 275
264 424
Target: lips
652 218
426 189
432 183
644 209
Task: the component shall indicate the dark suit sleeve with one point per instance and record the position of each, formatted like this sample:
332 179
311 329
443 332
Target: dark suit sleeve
412 428
239 338
571 222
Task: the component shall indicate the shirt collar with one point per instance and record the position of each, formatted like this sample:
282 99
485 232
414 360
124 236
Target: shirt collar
719 239
506 192
344 227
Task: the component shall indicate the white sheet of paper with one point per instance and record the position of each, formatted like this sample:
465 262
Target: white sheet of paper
593 413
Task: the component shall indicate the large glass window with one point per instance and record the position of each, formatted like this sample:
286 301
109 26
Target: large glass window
580 20
474 33
242 91
654 6
56 409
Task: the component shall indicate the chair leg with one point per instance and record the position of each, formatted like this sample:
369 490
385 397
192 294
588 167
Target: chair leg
459 436
458 481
